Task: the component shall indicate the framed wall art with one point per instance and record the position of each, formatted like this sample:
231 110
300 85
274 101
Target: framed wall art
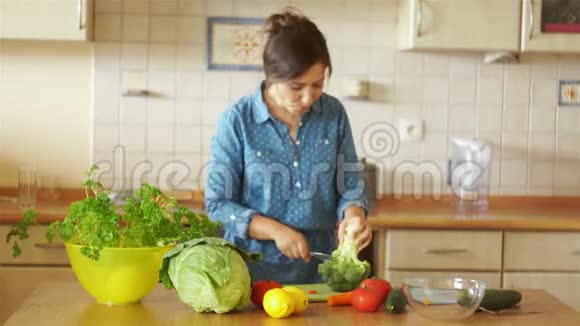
234 43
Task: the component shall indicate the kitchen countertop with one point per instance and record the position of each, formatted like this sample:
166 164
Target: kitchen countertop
51 210
66 303
505 212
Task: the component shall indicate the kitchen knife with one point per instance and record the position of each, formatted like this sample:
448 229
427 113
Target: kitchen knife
320 255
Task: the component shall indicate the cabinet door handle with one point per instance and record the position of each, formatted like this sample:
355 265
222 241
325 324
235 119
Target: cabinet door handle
48 245
419 15
82 23
532 18
445 251
575 252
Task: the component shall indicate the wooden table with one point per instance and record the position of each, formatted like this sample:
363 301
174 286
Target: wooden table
67 304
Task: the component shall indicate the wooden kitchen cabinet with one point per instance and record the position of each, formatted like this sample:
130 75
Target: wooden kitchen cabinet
542 251
443 250
536 38
459 24
1 18
69 20
509 259
544 260
564 286
36 250
430 253
40 262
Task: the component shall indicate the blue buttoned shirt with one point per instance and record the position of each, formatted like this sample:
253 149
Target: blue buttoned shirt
307 183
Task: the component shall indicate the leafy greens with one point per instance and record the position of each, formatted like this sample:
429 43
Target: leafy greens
150 219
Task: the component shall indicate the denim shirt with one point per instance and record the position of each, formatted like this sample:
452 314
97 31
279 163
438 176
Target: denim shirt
257 168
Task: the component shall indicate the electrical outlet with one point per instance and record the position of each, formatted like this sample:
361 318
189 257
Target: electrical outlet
410 130
569 93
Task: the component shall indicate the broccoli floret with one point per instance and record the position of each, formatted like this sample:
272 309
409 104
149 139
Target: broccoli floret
344 271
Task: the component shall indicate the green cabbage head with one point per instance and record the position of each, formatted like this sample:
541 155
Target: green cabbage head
209 274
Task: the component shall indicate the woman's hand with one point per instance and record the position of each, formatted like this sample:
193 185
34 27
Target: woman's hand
292 243
289 241
360 229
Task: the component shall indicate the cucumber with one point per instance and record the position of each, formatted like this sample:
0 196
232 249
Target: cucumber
396 301
500 299
493 299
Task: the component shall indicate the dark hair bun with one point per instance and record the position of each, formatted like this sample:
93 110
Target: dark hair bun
294 44
290 18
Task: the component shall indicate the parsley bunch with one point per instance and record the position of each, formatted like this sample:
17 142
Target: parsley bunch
149 218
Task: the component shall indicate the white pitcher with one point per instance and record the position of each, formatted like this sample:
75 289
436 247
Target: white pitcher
469 173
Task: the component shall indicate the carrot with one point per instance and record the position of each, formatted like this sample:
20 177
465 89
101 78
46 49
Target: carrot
342 299
312 291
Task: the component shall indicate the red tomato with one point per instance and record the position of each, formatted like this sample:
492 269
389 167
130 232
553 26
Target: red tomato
379 285
260 288
366 300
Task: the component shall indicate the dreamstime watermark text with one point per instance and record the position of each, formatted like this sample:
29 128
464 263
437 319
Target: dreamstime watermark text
379 144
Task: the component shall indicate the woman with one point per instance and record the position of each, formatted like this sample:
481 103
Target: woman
284 168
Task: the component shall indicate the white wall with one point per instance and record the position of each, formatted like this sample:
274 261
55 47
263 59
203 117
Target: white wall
45 110
537 145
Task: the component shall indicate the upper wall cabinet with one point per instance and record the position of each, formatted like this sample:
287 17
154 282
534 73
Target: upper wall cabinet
69 20
551 26
1 18
459 24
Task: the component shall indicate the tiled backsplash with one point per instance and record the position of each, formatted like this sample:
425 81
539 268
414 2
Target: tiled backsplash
161 44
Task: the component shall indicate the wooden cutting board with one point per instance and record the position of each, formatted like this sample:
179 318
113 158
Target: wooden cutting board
322 291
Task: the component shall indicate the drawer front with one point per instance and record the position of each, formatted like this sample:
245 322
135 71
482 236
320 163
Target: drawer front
560 285
35 250
542 251
491 279
443 250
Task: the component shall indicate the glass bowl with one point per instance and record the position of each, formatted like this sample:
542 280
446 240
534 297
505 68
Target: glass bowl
443 298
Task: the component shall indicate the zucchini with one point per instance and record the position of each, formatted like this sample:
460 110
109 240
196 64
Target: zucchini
396 301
